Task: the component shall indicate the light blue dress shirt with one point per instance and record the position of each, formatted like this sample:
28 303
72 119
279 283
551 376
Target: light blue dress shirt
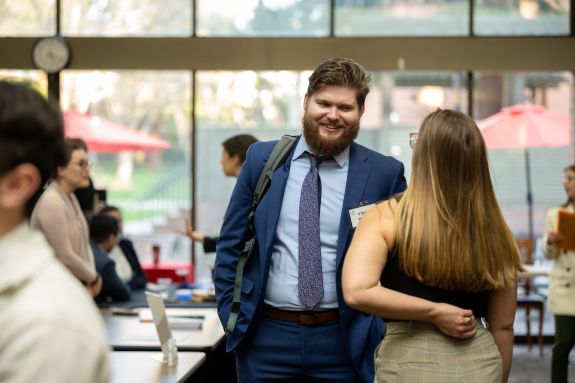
282 286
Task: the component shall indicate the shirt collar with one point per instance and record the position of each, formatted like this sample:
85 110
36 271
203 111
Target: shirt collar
341 159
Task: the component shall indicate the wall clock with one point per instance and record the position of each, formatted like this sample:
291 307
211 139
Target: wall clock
51 54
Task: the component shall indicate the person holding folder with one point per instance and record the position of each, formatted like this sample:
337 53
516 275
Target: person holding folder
559 235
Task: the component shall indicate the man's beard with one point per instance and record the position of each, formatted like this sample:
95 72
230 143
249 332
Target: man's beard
327 147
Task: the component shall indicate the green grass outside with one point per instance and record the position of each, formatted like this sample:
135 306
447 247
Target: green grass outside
143 179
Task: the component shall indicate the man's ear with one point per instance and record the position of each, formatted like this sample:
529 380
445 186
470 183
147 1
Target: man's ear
18 185
110 242
237 160
305 98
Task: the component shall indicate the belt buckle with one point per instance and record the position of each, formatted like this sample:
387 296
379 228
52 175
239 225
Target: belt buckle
316 320
308 319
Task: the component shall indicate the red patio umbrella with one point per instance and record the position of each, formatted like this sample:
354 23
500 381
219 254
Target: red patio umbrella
105 136
525 126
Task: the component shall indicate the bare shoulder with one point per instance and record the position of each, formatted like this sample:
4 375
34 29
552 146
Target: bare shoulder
386 209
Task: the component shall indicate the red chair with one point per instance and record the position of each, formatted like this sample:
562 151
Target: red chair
177 271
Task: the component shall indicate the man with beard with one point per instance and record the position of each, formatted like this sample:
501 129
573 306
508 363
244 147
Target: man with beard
293 323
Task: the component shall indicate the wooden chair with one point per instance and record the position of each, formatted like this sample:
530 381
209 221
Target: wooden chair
525 299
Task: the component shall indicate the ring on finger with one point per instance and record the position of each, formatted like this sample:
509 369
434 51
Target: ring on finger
467 320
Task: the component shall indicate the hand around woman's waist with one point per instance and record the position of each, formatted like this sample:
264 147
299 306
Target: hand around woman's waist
454 321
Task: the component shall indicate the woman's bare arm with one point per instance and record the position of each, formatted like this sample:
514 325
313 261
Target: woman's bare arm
364 263
500 317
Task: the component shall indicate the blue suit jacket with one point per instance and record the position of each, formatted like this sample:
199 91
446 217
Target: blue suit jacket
113 287
371 177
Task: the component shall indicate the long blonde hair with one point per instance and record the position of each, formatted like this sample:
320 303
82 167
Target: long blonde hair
450 231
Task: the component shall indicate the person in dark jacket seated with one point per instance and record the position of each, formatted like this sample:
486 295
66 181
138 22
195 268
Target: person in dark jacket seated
127 262
104 231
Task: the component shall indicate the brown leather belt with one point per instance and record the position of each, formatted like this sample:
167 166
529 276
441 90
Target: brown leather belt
307 318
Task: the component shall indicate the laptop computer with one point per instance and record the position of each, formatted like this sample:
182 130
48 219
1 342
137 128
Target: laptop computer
167 342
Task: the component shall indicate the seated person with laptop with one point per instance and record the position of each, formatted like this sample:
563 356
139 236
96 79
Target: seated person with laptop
124 254
103 237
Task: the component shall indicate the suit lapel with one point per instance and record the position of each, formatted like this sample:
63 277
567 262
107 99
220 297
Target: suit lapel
357 175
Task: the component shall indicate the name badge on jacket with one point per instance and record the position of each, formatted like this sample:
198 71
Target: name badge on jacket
356 214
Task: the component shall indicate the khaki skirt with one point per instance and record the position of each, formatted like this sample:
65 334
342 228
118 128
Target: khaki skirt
418 352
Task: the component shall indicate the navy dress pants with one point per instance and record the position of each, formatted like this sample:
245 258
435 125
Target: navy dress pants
281 351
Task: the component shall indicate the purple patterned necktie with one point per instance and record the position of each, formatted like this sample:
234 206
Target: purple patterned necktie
310 284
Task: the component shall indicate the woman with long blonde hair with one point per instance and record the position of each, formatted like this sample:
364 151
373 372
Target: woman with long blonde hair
439 264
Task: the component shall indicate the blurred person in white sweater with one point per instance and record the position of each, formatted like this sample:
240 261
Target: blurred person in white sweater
51 329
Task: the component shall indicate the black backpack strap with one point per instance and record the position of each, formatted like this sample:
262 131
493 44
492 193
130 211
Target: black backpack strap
276 158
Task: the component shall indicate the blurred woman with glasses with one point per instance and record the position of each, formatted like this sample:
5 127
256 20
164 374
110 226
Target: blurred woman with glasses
437 263
59 216
562 283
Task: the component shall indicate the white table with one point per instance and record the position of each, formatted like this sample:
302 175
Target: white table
128 333
146 367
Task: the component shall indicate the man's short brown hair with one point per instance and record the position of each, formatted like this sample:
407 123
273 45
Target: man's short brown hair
344 72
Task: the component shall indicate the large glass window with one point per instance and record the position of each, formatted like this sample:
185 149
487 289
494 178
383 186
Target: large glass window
263 18
148 18
137 127
398 103
27 17
553 92
126 18
521 17
401 18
